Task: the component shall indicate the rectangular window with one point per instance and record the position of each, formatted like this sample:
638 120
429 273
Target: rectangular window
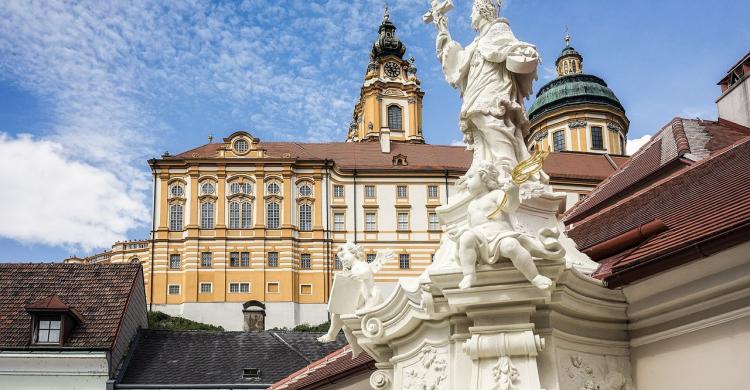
338 191
174 261
304 261
206 259
305 217
433 223
245 259
247 215
48 330
401 192
403 222
273 288
273 217
371 222
404 261
234 215
174 289
558 139
175 217
207 215
432 192
305 289
239 288
234 288
273 259
338 222
337 264
205 288
597 140
234 259
370 257
369 192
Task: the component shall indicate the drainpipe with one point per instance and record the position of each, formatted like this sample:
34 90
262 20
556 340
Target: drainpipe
446 186
328 231
355 206
153 242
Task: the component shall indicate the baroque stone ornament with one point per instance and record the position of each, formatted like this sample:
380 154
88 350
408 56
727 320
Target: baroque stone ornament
578 124
508 302
430 373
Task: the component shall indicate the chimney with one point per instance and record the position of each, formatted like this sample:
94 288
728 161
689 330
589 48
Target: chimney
254 313
734 102
385 140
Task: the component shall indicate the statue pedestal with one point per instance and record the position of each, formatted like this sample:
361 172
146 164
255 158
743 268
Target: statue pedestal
503 333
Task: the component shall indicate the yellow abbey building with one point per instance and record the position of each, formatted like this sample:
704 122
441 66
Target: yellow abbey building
246 220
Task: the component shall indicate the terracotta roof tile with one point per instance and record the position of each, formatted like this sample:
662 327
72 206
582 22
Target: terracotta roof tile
705 200
98 293
659 158
325 370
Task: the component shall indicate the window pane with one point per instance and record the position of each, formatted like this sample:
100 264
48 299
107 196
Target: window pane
403 261
403 221
305 261
370 257
272 219
54 335
245 259
234 215
394 117
433 221
338 222
401 191
206 259
244 287
247 215
338 191
207 215
174 261
234 287
273 259
305 217
596 138
369 191
432 191
559 140
175 217
234 259
305 190
370 222
273 188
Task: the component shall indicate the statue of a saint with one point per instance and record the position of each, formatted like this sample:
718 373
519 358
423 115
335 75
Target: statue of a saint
494 74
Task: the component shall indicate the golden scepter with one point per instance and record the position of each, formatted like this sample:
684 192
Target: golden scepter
522 173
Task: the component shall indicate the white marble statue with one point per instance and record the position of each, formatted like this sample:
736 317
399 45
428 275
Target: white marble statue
490 237
494 74
353 288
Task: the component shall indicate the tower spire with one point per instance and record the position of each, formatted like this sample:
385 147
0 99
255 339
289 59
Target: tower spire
567 36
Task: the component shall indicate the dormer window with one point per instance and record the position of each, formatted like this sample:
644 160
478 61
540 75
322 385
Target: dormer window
241 146
400 160
48 330
52 321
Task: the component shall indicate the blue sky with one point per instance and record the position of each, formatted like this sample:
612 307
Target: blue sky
90 90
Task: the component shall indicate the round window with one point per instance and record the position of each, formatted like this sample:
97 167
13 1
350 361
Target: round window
305 190
273 189
241 146
207 189
177 191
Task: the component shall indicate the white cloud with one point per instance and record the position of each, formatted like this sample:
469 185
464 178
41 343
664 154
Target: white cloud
635 144
52 199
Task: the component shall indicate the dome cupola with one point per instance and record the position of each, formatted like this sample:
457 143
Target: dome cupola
387 42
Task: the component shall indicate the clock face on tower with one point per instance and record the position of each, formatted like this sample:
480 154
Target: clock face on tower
392 69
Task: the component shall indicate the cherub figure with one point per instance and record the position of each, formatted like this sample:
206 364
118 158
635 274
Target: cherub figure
491 236
353 288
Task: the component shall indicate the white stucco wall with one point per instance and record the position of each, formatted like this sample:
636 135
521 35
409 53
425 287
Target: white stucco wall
53 370
715 358
735 104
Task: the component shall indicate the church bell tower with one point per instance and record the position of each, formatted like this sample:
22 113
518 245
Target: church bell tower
390 102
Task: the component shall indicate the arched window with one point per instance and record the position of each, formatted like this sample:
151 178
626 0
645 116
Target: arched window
273 188
305 190
207 189
305 217
240 188
176 191
234 215
247 215
273 215
207 215
175 217
394 117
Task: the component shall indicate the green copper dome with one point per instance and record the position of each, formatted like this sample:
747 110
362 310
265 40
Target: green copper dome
571 90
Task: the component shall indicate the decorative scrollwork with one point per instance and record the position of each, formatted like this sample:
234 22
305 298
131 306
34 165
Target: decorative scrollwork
372 327
577 124
380 380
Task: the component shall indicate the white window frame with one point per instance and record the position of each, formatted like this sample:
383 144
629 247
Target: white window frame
305 193
370 191
268 284
305 261
338 191
305 218
176 217
273 217
433 225
403 226
179 261
276 187
339 226
404 258
208 215
275 260
169 289
210 288
371 225
433 194
400 194
210 259
305 284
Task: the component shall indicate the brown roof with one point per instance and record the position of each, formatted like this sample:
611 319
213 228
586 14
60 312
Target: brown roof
367 155
98 293
673 148
336 366
705 207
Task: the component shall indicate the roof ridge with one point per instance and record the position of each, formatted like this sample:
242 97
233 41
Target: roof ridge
298 352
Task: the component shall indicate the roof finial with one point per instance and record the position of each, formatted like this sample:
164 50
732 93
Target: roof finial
387 13
210 139
567 36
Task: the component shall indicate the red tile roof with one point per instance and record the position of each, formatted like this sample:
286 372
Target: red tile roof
367 155
702 206
327 370
98 293
672 149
